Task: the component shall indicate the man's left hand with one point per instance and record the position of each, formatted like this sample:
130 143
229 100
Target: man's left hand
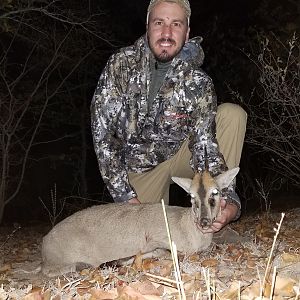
228 213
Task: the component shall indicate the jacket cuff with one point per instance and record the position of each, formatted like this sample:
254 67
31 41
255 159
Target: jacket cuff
125 197
233 198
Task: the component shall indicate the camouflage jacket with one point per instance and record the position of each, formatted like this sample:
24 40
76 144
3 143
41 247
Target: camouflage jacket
129 137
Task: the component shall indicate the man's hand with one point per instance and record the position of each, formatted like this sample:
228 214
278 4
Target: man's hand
228 213
134 201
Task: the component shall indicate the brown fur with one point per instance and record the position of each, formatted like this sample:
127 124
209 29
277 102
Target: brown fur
109 232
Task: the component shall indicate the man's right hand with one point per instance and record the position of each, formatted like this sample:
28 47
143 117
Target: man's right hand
134 201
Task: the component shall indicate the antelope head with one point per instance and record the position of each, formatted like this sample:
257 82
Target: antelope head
205 192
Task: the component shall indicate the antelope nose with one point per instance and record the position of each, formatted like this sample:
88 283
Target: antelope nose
205 222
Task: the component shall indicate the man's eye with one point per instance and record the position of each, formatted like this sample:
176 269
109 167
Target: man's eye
158 23
176 24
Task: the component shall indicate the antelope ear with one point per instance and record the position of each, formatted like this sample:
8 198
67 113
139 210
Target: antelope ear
185 183
223 180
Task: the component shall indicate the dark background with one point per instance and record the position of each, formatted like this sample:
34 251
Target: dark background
70 42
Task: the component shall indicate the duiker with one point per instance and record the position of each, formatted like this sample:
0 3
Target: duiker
110 232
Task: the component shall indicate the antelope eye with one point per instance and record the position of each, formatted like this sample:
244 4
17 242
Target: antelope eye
215 192
212 202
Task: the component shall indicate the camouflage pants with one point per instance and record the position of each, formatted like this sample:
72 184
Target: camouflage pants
152 186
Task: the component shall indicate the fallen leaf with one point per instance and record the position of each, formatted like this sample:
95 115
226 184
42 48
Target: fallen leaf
194 257
83 287
38 294
152 297
99 294
209 263
264 231
34 296
290 258
285 287
192 286
149 264
98 278
5 268
162 268
231 293
251 263
145 288
169 290
137 264
85 272
128 292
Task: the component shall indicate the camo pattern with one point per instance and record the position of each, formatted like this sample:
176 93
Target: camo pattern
129 137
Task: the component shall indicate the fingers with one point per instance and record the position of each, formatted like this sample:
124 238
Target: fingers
218 224
215 227
134 201
223 203
227 213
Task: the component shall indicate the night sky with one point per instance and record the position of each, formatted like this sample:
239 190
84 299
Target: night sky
229 29
131 15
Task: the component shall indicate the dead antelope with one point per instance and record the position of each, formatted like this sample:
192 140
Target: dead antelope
110 232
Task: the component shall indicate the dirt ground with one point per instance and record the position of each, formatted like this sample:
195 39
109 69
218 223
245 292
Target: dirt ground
234 267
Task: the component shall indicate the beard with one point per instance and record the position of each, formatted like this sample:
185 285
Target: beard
164 56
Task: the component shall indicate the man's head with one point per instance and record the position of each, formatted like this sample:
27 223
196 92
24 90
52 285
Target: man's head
167 27
183 3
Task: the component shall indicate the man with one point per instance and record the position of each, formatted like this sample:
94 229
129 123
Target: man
154 113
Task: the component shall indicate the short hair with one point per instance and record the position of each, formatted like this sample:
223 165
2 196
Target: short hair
183 3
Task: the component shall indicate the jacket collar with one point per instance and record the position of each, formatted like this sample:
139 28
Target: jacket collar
191 53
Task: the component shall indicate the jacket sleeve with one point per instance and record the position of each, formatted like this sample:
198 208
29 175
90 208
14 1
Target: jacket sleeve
106 109
204 136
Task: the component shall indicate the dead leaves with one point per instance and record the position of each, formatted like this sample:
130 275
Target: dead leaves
100 286
288 258
284 287
236 270
162 268
98 294
5 268
264 231
209 263
38 294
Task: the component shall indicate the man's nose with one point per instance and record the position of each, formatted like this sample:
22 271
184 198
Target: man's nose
166 31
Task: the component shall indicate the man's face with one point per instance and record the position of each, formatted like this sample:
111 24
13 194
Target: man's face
167 30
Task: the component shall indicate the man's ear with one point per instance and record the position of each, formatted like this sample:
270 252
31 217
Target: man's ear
187 34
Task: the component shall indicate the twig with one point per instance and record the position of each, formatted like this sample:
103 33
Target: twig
164 279
298 292
179 282
273 283
177 272
206 275
53 213
72 283
271 254
214 290
9 236
198 295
